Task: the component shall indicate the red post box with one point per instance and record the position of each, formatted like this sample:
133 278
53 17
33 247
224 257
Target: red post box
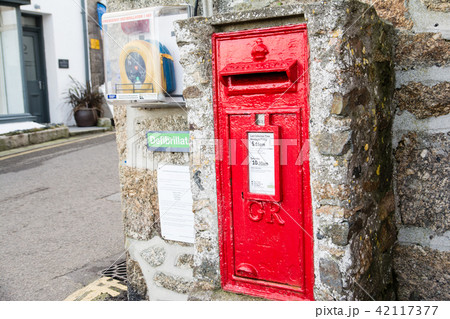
261 117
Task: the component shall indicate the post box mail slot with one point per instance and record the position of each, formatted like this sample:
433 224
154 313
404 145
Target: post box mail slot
260 77
261 117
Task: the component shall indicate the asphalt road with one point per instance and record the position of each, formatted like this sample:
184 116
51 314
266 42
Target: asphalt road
60 218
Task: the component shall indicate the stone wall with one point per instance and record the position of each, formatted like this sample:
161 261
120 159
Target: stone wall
121 5
157 269
420 140
421 146
162 268
360 114
351 109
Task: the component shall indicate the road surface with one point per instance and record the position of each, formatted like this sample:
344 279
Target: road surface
60 218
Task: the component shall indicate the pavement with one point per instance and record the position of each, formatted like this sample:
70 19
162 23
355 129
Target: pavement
75 130
10 127
61 221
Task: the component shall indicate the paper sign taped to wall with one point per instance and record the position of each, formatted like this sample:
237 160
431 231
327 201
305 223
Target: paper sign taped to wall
175 203
261 166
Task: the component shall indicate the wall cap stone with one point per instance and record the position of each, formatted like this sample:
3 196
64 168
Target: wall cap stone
258 14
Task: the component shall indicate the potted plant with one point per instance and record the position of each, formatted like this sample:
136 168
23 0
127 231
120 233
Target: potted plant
86 103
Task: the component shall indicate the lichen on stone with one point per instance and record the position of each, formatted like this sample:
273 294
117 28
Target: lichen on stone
423 170
394 11
422 273
424 101
137 287
422 49
154 256
172 282
437 5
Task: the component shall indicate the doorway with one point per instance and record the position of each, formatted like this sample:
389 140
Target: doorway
34 61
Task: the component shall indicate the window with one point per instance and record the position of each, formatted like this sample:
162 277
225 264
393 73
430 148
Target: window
11 85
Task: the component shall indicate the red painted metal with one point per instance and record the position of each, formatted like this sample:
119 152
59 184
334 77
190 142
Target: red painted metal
266 242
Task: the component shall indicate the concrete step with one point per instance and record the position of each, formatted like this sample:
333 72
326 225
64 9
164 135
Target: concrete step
75 130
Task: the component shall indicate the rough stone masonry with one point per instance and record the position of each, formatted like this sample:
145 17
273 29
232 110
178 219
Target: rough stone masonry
379 152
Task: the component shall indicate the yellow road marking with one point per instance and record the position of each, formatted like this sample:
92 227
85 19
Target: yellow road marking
104 285
53 146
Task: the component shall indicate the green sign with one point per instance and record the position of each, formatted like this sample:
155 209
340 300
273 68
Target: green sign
168 141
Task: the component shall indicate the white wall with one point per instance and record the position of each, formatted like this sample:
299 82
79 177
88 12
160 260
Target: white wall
63 37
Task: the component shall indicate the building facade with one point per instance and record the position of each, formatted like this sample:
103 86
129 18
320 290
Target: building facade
44 43
13 100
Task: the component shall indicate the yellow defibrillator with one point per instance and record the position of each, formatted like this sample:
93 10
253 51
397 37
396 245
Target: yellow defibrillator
146 67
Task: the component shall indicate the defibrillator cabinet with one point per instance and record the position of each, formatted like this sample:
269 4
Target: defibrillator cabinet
141 55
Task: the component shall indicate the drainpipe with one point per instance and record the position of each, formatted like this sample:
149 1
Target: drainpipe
86 45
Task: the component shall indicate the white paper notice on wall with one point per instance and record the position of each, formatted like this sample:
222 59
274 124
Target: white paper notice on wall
175 203
261 166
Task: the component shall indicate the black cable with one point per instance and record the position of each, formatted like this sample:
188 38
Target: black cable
195 8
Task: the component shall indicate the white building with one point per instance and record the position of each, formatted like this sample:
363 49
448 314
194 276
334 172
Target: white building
42 43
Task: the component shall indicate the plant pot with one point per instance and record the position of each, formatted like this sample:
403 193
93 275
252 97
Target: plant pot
86 117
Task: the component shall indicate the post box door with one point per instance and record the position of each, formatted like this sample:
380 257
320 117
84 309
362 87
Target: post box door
267 216
261 125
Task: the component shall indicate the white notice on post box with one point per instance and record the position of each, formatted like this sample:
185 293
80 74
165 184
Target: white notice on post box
175 203
261 167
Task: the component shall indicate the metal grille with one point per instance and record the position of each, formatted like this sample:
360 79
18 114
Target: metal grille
117 271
